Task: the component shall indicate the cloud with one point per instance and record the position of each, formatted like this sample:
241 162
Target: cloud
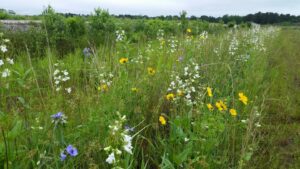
157 7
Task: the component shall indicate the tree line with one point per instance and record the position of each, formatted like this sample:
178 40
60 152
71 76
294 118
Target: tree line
259 17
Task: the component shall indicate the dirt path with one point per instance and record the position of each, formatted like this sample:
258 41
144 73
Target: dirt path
280 145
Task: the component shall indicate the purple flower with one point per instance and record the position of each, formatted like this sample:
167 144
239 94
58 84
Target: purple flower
58 115
63 156
72 150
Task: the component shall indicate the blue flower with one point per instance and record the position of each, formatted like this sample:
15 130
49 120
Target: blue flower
87 52
72 150
59 118
58 115
63 156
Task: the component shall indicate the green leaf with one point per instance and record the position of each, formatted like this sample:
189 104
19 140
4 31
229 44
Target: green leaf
183 156
16 131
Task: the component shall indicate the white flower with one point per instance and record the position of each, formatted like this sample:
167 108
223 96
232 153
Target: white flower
257 124
193 89
186 139
128 148
111 159
1 62
3 48
5 73
127 138
244 121
65 73
66 79
58 89
56 82
56 72
6 40
107 148
69 90
118 151
186 69
188 96
10 61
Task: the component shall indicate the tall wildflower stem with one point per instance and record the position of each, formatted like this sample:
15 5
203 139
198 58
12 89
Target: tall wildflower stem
6 147
49 54
59 135
35 77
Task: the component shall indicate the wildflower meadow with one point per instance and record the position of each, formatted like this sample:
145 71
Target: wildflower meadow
193 96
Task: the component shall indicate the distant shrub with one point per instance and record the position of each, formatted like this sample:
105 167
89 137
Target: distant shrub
102 26
231 24
76 31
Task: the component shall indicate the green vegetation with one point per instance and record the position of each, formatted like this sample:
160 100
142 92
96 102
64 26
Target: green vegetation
123 93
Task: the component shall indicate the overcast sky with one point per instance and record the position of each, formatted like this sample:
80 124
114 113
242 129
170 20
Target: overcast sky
156 7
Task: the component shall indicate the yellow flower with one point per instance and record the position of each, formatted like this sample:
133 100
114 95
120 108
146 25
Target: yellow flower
103 87
218 105
209 92
134 89
151 71
221 105
233 112
180 93
189 30
162 120
123 60
170 96
243 98
210 107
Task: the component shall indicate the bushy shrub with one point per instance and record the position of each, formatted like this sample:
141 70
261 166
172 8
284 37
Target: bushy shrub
102 26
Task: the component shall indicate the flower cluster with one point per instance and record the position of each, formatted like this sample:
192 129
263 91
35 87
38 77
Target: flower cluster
105 81
120 140
3 43
149 48
60 78
120 35
160 38
4 63
37 126
172 44
187 86
140 59
233 46
221 105
203 36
